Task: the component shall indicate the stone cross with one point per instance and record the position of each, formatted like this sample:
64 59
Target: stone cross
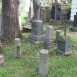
43 63
37 7
17 48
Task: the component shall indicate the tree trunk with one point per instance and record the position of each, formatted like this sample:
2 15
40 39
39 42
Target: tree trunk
10 21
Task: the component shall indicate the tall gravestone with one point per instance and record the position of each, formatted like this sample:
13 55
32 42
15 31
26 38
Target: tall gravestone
37 25
74 26
48 39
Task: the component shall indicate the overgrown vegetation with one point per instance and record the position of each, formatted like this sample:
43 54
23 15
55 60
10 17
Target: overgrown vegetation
24 17
27 65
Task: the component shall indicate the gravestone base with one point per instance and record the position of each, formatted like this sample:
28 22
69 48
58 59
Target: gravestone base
56 22
36 39
48 43
37 32
74 29
64 45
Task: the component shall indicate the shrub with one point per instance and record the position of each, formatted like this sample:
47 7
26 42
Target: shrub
24 17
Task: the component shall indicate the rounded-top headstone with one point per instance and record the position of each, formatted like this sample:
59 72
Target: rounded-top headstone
43 63
16 41
17 48
44 52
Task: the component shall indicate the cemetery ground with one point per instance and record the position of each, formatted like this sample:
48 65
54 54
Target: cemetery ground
27 66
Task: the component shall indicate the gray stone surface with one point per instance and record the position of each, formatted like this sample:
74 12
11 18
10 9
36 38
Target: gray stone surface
43 63
48 39
17 48
74 29
37 32
1 60
37 6
37 28
64 45
58 33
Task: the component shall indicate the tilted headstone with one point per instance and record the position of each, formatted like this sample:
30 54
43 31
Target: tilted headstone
37 25
43 63
17 48
48 39
63 43
1 60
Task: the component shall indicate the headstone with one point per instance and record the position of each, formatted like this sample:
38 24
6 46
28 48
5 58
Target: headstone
17 48
74 26
63 43
48 39
0 44
37 9
37 25
43 63
57 12
1 60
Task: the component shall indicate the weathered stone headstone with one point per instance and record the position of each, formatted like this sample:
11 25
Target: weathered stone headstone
37 25
74 26
1 60
48 39
43 63
63 43
17 48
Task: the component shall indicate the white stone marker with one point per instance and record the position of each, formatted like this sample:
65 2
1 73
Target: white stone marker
48 36
1 60
43 63
17 48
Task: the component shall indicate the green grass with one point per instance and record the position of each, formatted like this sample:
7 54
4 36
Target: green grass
24 17
27 65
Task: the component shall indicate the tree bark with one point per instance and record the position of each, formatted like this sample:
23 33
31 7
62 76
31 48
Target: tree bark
10 21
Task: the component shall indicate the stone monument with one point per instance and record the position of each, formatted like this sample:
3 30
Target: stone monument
43 63
37 25
74 26
63 42
48 39
17 48
1 60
